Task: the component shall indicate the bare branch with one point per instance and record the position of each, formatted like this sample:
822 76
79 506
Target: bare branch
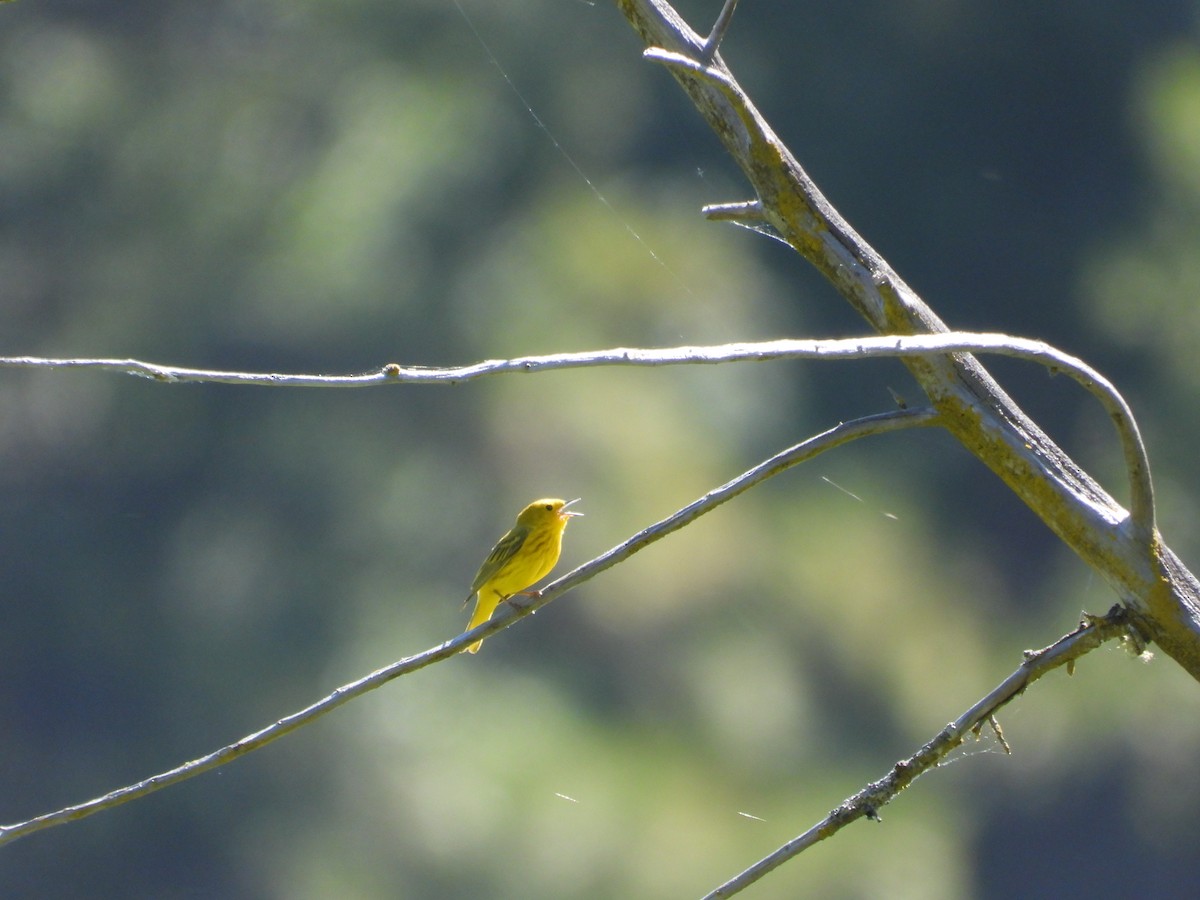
181 375
1090 634
720 27
743 212
834 437
843 433
1127 551
1137 464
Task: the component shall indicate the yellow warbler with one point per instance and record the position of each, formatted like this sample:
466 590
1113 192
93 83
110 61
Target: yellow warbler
523 556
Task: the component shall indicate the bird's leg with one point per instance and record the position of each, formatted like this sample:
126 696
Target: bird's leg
521 604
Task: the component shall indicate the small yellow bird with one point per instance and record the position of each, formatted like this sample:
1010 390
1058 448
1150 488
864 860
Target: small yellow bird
522 557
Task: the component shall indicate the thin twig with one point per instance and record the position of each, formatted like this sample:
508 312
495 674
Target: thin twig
1090 634
920 345
743 212
834 437
719 29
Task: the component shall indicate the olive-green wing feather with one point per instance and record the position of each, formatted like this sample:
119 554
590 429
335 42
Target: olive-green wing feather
506 548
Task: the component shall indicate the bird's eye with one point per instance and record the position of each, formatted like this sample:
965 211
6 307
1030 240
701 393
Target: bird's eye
549 507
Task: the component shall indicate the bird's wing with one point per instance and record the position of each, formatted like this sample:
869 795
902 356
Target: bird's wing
506 548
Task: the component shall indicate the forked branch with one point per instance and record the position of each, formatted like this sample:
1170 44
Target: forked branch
1091 633
1127 551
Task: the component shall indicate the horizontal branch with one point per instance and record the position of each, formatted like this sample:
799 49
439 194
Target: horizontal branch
715 354
1090 634
974 410
834 437
907 346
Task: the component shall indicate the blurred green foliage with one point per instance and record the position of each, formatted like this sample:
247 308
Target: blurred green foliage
330 186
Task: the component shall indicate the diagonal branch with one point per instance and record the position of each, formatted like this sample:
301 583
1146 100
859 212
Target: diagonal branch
834 437
1091 633
842 433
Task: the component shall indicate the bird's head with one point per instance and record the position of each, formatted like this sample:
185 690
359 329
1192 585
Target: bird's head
547 511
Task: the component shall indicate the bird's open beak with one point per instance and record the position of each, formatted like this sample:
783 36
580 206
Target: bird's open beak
567 513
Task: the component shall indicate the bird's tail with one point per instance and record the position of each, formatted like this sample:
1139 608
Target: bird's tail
485 604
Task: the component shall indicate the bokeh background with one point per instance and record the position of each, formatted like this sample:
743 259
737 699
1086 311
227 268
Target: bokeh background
293 185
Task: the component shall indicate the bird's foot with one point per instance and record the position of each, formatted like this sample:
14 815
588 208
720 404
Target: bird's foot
512 600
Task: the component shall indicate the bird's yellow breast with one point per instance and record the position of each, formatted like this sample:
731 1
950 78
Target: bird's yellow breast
538 553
